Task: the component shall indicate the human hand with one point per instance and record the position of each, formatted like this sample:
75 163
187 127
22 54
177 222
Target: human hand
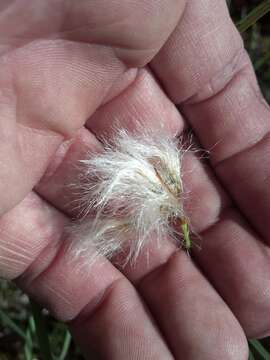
52 84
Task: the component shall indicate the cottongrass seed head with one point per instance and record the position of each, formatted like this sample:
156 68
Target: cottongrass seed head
130 194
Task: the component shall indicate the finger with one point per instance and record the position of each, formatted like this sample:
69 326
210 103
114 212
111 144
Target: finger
185 305
196 62
136 30
98 300
142 103
222 102
26 231
237 263
119 328
60 183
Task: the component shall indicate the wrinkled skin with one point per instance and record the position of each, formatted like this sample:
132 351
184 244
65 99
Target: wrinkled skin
69 71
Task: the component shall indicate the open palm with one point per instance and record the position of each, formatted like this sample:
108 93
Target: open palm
69 71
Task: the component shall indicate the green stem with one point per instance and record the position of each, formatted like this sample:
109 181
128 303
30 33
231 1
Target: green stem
28 346
11 324
251 356
66 345
260 349
262 60
41 331
254 16
186 235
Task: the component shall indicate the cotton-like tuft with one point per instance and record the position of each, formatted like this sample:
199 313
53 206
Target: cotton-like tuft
130 194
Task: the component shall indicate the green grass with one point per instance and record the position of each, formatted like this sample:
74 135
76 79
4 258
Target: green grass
254 24
257 348
28 333
253 16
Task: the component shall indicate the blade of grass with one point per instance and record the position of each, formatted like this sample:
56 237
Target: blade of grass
66 346
27 353
260 349
254 16
32 325
263 60
251 356
41 332
28 346
12 325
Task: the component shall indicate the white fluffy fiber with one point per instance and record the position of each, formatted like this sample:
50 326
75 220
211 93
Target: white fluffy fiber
131 193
